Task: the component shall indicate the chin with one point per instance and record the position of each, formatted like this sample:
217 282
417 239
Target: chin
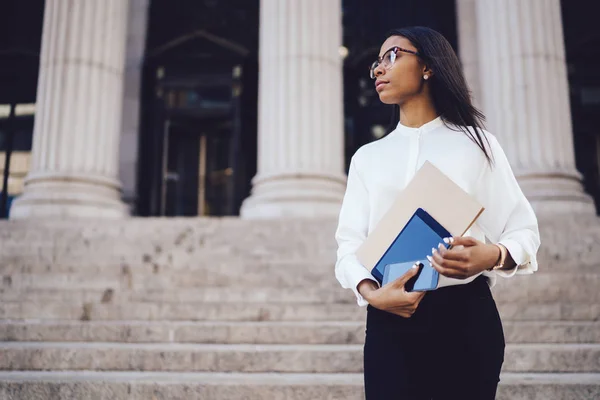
388 98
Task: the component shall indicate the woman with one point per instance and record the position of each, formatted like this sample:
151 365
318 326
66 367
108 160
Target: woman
448 343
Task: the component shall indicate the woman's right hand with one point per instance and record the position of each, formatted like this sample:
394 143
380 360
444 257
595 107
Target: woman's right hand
393 297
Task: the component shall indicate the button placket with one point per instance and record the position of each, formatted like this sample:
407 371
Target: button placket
413 156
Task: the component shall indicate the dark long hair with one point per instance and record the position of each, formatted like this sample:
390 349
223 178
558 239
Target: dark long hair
449 91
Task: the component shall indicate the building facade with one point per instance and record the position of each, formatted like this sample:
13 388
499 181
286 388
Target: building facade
114 110
143 108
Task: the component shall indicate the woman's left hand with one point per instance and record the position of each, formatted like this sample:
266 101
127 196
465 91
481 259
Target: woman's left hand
466 258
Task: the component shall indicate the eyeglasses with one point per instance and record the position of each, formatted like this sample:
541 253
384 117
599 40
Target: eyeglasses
388 59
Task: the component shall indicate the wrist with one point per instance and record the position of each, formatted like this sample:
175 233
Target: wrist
499 257
366 288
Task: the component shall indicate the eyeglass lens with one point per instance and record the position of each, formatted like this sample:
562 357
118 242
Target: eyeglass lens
388 59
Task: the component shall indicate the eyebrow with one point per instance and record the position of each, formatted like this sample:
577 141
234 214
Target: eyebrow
400 47
380 55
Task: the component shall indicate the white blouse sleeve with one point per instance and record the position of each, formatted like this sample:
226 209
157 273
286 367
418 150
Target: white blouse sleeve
508 217
352 230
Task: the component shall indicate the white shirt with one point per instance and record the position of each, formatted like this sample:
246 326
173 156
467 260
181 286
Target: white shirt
381 169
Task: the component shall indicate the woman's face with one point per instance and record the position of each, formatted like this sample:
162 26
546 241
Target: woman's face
404 78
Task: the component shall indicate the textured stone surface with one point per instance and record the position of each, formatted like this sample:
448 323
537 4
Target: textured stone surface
303 332
305 286
218 386
300 160
151 311
529 111
259 358
265 332
165 386
182 312
74 165
230 295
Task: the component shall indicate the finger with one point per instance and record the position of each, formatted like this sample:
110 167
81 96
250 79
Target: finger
449 272
419 298
446 262
455 254
415 297
451 269
466 241
440 249
400 282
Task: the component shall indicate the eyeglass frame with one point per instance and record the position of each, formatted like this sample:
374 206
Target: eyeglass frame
379 60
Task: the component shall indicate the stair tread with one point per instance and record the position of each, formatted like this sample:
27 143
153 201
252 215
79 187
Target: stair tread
274 378
24 322
241 347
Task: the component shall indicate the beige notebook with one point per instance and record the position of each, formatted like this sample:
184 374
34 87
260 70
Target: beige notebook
432 191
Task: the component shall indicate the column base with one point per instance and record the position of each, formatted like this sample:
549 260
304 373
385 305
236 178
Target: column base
555 194
69 196
294 195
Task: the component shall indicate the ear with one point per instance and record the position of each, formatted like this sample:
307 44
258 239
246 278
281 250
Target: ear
427 71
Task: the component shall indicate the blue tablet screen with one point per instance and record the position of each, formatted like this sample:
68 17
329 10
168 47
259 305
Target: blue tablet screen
413 243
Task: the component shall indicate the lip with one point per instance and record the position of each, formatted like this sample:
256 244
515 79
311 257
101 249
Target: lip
380 84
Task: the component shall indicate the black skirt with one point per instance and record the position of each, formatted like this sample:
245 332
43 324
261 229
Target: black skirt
451 348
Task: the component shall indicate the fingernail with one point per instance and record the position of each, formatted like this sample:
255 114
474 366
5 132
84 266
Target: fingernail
447 240
433 250
430 258
415 266
441 246
451 240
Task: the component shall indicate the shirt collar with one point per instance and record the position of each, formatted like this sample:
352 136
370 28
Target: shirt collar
408 131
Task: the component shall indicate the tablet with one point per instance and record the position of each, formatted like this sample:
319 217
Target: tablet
426 279
414 242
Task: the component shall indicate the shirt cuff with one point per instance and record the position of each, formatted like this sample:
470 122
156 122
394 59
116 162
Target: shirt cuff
354 276
518 254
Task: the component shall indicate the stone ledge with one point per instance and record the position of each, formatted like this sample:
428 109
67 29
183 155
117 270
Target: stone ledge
86 385
259 358
266 332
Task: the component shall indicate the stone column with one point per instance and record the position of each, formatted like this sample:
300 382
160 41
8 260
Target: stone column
78 123
526 99
466 22
300 130
137 25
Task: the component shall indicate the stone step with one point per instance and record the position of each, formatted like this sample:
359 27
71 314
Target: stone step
258 358
154 238
249 286
196 295
220 269
153 311
543 287
232 264
182 312
169 280
569 244
538 288
88 385
549 311
266 332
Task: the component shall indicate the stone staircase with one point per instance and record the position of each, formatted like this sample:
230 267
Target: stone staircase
230 309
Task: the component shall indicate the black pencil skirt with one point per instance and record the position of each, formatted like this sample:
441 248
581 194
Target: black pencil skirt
451 348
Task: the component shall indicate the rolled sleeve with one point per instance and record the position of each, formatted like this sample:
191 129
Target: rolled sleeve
355 273
351 232
508 218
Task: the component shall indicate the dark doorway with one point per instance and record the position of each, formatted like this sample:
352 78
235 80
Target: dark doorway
21 25
199 108
582 42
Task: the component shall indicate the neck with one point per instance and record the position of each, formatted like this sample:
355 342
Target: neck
417 111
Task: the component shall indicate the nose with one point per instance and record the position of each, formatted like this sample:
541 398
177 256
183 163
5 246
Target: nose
378 71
